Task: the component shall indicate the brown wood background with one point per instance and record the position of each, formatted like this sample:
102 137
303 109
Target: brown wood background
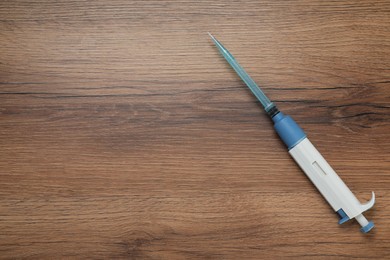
124 134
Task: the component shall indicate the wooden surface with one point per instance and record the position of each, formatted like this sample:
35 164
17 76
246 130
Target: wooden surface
124 134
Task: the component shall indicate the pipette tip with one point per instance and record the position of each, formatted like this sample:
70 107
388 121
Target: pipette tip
212 37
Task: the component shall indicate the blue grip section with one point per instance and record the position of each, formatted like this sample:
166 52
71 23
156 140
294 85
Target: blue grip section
289 131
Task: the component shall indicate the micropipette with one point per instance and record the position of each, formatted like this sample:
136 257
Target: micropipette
332 188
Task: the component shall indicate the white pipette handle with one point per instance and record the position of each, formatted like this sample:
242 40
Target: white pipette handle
334 190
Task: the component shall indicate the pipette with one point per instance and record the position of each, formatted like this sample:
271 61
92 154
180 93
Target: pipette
329 184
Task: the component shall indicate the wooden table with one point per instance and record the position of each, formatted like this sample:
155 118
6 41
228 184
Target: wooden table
124 133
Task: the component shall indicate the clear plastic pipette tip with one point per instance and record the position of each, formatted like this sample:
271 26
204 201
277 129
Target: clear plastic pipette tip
267 104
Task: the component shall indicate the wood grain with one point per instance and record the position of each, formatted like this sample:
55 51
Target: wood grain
124 134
